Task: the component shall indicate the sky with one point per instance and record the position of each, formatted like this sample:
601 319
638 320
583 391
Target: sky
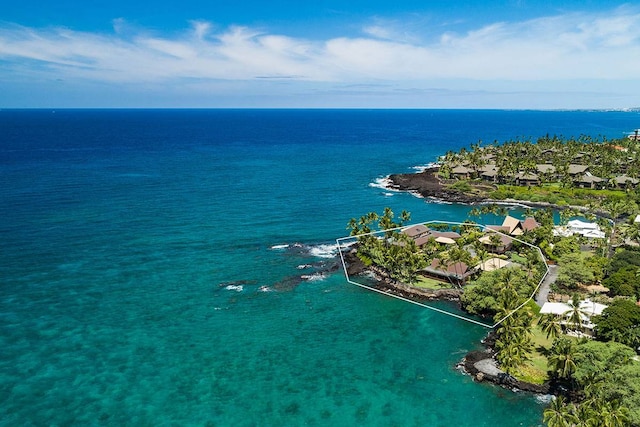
506 54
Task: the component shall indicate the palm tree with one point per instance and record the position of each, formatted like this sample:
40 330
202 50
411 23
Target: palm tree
616 415
562 359
575 313
550 325
455 256
559 414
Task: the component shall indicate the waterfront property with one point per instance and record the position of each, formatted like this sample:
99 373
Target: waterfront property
567 312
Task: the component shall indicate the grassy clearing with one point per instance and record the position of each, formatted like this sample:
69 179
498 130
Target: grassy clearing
428 283
535 371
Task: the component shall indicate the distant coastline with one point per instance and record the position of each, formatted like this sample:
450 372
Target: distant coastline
428 185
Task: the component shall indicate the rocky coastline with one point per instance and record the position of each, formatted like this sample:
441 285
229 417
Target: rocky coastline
428 185
481 366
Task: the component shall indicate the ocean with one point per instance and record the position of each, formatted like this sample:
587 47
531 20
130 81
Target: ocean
177 268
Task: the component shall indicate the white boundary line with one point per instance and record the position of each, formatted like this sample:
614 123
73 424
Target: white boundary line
484 228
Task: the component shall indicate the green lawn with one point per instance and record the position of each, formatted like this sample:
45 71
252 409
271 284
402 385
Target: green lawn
535 371
428 283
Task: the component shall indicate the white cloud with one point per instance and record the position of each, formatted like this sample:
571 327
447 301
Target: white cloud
574 46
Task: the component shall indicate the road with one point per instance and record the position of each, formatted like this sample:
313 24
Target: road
545 288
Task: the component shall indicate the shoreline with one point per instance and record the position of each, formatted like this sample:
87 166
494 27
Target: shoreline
427 184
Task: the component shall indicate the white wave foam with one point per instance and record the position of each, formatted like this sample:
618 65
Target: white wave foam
237 288
303 266
544 399
422 168
313 277
265 289
437 201
388 194
383 183
324 251
285 246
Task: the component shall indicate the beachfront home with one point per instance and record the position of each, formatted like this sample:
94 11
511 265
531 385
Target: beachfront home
456 273
586 310
461 172
515 227
416 231
499 244
527 178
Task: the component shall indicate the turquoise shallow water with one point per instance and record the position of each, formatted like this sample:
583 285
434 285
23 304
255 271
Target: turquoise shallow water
140 285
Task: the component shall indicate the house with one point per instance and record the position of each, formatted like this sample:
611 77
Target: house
513 226
590 181
416 231
624 181
489 175
457 272
530 224
461 172
586 229
587 309
577 170
527 178
546 168
489 172
500 246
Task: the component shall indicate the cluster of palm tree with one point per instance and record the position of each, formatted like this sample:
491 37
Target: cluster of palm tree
395 252
589 413
513 345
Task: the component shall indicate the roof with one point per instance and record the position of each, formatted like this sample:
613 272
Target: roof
504 240
489 167
423 239
449 234
577 224
576 169
493 264
587 307
527 176
530 223
511 223
546 168
445 240
416 230
461 170
623 179
458 269
499 228
590 178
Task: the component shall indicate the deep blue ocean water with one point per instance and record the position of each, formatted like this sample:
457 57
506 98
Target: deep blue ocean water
144 278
